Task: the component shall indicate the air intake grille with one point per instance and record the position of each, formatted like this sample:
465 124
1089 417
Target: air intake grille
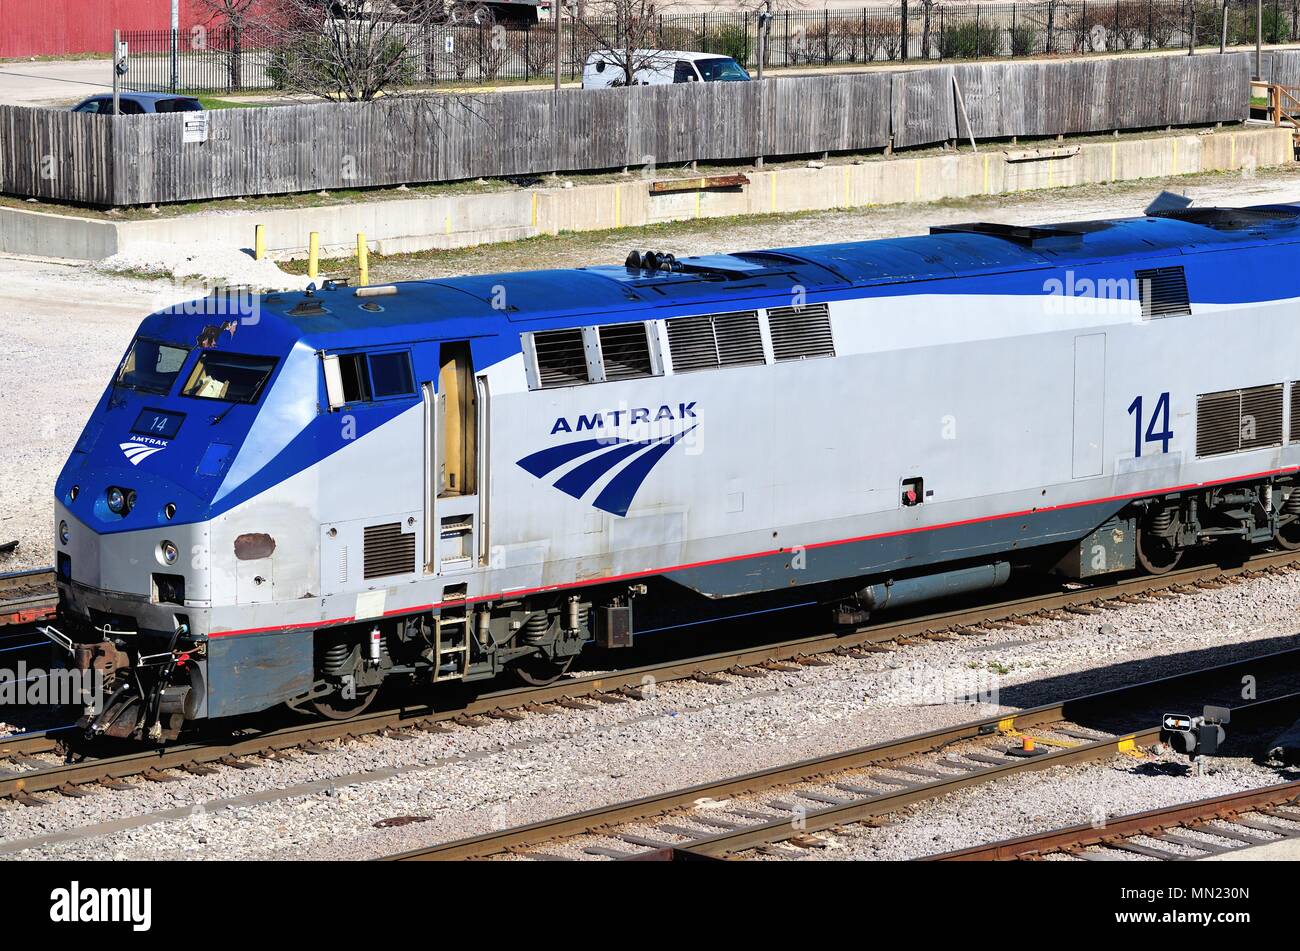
715 340
561 357
1295 412
801 332
1163 292
625 351
388 551
1237 420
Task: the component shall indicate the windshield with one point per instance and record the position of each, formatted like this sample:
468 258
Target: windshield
152 366
722 69
233 377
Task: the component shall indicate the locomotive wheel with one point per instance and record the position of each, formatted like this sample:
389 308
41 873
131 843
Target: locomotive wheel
335 707
1155 554
538 671
1288 536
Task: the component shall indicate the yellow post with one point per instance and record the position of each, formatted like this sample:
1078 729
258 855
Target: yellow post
363 260
259 242
313 254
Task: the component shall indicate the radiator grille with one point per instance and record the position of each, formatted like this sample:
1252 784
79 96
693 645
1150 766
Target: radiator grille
1163 292
388 551
625 351
1295 412
1261 417
715 340
561 357
801 332
1236 420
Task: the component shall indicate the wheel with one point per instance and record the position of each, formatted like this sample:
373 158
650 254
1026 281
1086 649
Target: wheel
1288 536
1155 554
335 707
538 671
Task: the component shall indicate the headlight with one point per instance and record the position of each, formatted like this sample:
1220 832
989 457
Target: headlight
167 551
63 533
116 500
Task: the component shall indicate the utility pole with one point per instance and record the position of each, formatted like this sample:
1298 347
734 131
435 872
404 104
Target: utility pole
764 17
176 25
557 9
117 68
1223 30
1259 38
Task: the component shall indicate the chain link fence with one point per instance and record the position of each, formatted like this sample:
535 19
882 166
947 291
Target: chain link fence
222 60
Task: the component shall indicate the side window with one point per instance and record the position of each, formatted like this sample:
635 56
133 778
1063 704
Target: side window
92 106
390 375
131 108
365 377
684 72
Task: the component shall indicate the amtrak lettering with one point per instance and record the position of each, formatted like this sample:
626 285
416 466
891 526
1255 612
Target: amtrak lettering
640 414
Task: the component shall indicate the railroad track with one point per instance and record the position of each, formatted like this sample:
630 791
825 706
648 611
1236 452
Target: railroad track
828 792
28 764
27 596
1192 830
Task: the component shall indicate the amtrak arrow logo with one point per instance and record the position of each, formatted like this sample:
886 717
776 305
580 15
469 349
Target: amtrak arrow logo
137 452
630 460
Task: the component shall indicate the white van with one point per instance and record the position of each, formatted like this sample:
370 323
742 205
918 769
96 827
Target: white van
605 68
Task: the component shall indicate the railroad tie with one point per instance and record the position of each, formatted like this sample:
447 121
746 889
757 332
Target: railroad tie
73 792
1234 836
1261 826
607 853
712 680
822 797
1139 849
634 839
1191 843
921 771
570 704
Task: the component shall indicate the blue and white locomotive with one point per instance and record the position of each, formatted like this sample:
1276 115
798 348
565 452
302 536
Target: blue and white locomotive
440 480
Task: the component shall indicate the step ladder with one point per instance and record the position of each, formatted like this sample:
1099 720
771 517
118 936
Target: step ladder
451 644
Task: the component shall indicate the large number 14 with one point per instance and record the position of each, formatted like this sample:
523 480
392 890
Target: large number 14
1159 415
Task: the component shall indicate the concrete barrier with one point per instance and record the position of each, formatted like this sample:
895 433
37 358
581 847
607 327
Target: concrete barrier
463 220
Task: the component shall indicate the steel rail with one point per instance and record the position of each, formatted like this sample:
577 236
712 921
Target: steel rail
1182 815
749 837
600 686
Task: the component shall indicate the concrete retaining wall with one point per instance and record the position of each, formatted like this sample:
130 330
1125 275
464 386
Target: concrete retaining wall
394 226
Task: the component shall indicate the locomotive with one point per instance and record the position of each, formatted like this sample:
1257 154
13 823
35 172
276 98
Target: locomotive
438 481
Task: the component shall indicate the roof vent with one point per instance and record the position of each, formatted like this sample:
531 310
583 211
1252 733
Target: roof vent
1163 292
1042 237
308 307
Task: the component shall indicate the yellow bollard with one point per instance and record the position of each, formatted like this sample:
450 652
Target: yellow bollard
313 254
259 242
363 260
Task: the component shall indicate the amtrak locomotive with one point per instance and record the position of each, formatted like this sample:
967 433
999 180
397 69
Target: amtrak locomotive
441 480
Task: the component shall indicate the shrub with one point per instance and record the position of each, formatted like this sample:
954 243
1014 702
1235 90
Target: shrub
967 40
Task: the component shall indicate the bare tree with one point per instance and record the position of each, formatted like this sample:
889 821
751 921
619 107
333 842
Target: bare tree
235 16
625 35
352 50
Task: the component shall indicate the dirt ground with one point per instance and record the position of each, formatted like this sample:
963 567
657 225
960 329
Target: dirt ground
66 327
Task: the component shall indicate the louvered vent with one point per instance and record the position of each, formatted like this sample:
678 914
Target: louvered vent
715 340
1163 292
801 332
1261 417
388 551
625 351
561 357
1295 411
1236 420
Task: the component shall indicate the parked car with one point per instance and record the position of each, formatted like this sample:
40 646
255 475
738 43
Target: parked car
605 68
138 103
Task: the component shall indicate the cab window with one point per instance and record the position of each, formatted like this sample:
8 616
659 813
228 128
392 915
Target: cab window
722 69
151 365
366 377
233 377
684 72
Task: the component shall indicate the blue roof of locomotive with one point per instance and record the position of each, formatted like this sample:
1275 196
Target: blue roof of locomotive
609 290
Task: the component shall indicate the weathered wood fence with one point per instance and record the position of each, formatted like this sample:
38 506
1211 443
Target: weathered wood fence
131 160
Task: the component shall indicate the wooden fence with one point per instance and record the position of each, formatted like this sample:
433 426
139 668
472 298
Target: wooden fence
134 160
